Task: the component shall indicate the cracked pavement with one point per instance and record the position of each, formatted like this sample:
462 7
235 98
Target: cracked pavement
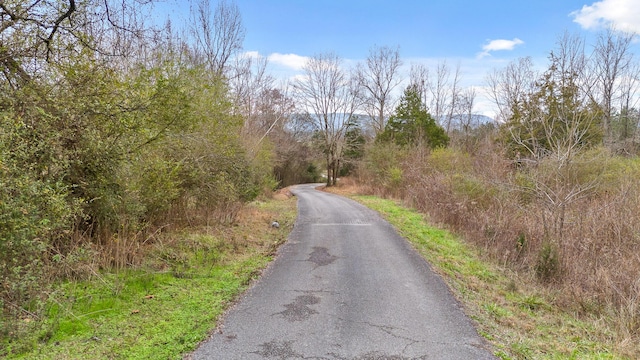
345 286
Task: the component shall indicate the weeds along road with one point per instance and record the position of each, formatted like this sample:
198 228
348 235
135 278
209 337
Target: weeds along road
345 286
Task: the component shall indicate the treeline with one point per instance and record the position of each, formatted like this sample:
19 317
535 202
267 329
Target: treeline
113 130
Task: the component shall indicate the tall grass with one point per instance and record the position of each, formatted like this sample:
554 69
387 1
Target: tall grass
572 228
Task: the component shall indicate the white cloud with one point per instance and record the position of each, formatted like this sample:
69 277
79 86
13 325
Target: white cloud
499 45
622 15
495 45
293 61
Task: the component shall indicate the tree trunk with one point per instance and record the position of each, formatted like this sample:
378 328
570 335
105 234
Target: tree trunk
328 172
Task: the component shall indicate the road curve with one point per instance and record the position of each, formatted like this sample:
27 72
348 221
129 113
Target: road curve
345 286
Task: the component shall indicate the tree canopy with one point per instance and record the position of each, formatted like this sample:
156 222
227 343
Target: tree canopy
555 117
411 124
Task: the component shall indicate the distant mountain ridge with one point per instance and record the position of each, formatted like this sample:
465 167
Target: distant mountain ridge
458 120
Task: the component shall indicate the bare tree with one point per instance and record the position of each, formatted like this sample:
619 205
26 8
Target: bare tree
378 77
248 78
419 80
454 98
274 108
291 142
37 33
218 36
439 92
550 126
509 86
611 62
40 21
328 98
569 58
629 115
466 116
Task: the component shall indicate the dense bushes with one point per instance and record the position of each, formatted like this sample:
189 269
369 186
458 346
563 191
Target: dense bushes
94 161
33 212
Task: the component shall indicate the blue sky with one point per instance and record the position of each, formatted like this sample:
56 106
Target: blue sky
477 35
449 28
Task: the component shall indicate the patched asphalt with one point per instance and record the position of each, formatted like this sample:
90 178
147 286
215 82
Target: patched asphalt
345 286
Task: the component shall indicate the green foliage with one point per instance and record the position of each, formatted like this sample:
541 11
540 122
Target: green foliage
455 169
553 118
411 124
382 164
312 174
473 190
394 178
547 266
355 141
607 172
34 212
354 147
526 187
624 124
157 183
448 160
100 154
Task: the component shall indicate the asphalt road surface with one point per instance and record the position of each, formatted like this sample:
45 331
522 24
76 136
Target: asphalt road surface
345 286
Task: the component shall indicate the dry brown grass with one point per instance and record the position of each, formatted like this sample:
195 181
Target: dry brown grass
282 194
585 250
234 224
346 186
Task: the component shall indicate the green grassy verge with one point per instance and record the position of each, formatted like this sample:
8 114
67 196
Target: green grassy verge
515 315
165 308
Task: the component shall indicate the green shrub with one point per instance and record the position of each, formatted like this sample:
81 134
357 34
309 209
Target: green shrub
312 174
382 164
450 160
159 185
525 186
394 178
34 213
474 190
547 267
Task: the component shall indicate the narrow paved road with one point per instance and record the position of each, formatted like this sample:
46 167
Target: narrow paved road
345 286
